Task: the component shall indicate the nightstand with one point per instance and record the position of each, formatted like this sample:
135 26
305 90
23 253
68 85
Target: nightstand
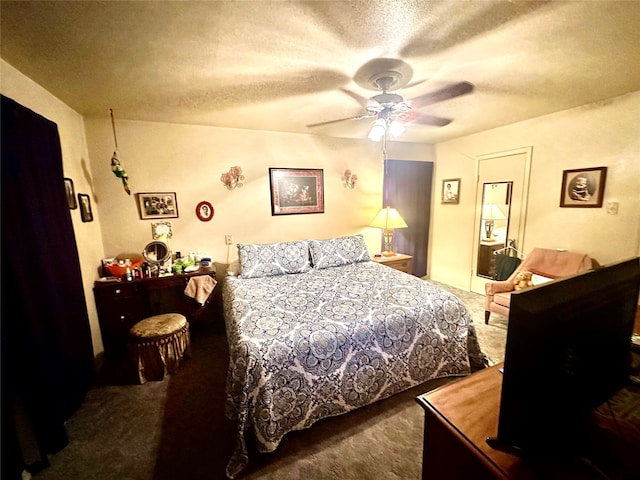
400 261
486 259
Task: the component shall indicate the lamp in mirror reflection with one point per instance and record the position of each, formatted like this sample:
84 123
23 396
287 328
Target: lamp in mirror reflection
349 179
388 219
490 213
233 178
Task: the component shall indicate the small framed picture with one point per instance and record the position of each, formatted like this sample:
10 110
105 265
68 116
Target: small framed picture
85 207
71 193
451 190
157 205
583 187
204 211
296 190
161 230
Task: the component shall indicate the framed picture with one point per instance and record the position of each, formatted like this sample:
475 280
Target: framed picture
451 190
157 205
161 230
204 211
583 187
71 193
296 190
85 207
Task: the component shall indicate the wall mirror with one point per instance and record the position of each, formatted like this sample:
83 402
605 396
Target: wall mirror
494 225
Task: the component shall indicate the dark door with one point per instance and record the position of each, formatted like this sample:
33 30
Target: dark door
407 187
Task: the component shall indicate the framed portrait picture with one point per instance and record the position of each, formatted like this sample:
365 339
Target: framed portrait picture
204 211
71 193
86 214
583 187
451 190
296 190
153 205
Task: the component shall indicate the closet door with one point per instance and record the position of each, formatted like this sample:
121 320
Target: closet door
407 187
47 353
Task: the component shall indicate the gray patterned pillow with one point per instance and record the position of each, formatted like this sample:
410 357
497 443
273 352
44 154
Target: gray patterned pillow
338 251
273 259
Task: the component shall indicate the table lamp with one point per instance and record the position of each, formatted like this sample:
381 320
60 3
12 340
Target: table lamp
490 213
387 219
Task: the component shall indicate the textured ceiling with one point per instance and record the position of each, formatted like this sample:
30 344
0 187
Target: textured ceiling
281 66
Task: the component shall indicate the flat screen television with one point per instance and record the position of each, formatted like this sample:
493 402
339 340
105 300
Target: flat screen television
568 350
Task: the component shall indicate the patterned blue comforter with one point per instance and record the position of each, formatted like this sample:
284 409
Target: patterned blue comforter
313 345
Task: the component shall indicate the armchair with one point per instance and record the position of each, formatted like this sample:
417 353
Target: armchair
545 264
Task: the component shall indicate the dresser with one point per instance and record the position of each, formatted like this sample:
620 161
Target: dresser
121 304
398 261
462 414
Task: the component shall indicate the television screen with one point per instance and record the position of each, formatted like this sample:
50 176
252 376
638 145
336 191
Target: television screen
568 350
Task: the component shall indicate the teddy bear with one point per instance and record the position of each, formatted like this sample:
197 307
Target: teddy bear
522 280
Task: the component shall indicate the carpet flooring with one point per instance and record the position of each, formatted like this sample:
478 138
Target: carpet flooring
176 429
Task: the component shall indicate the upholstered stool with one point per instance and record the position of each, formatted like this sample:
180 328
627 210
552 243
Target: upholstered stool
158 344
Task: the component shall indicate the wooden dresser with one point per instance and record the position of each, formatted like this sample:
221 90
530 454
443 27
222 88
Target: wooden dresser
459 417
123 303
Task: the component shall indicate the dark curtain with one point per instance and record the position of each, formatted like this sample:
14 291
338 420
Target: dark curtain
407 187
47 354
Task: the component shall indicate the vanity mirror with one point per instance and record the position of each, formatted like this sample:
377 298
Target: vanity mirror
494 225
157 254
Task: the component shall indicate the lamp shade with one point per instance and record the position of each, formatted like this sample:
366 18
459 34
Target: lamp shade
388 218
378 130
396 128
492 212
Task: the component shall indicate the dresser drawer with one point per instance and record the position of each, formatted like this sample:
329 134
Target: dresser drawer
120 306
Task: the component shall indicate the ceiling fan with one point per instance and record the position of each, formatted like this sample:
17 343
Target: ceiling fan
390 111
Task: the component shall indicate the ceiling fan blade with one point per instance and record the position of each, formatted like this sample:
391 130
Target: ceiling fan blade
445 93
413 84
357 117
358 98
431 120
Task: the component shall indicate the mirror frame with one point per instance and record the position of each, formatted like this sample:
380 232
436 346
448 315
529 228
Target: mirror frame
146 253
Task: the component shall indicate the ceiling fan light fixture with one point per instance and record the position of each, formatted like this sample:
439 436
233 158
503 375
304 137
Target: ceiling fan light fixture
378 130
396 128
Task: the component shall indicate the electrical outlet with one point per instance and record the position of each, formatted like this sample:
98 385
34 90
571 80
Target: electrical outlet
227 240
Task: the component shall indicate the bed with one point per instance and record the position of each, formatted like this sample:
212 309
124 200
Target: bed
316 329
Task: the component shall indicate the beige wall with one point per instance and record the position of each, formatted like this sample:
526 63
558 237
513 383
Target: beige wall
189 160
603 134
76 166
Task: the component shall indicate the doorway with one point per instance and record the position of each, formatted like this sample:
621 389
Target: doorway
502 191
